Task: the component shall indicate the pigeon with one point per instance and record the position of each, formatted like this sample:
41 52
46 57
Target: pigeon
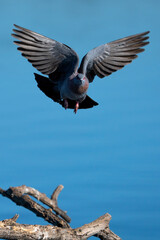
67 84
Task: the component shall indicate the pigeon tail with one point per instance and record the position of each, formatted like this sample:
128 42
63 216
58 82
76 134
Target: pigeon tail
86 103
48 87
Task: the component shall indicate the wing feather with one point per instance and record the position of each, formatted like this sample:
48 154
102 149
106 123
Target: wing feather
110 57
46 55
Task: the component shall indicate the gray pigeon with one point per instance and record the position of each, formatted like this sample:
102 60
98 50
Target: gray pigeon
66 83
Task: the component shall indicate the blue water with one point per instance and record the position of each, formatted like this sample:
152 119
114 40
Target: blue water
108 157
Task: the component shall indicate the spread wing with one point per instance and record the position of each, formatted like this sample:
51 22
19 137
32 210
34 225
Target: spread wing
110 57
46 55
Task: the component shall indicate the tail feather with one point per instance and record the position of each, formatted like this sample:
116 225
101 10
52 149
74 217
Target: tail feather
48 87
88 103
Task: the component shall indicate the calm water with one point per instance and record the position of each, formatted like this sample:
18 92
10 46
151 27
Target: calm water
108 157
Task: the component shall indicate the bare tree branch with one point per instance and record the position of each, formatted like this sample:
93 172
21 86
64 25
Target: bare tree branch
61 230
52 203
9 229
20 197
94 227
107 234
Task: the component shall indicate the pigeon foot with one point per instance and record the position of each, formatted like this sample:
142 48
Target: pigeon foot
76 107
65 103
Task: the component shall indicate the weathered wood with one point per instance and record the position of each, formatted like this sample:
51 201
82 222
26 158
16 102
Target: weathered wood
107 234
20 195
9 229
94 227
52 203
61 230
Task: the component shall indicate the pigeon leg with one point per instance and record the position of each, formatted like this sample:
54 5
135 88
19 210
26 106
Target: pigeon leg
76 107
65 103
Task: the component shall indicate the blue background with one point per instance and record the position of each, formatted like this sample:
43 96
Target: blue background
108 157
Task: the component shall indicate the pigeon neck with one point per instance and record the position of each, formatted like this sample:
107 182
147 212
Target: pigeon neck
73 75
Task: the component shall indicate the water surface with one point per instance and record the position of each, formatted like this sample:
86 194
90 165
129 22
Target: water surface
108 157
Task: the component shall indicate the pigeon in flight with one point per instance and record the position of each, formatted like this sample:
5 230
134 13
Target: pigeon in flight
67 84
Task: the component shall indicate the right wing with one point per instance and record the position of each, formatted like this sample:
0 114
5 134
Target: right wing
46 55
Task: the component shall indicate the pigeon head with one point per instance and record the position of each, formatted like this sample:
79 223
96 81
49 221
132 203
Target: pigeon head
82 82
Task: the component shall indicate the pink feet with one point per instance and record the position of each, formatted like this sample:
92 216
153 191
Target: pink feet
76 107
65 103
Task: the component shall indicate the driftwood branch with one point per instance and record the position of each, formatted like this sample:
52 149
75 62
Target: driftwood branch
9 229
20 195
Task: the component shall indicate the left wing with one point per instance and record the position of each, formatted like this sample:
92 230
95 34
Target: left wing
110 57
